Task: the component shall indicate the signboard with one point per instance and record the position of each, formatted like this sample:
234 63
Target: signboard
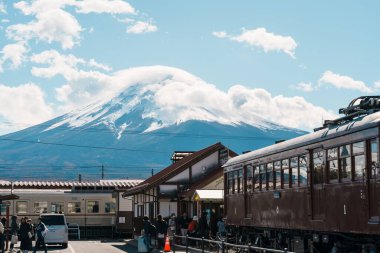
121 219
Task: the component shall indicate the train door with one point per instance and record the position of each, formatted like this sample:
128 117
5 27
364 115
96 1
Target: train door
318 198
374 182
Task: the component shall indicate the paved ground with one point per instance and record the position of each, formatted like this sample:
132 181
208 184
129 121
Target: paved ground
93 247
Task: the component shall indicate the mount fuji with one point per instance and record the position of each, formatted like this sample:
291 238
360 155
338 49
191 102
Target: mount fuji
134 128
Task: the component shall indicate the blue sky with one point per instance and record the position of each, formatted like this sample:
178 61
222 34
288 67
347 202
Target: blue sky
325 52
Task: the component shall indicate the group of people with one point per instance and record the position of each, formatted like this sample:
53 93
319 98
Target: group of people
202 226
24 232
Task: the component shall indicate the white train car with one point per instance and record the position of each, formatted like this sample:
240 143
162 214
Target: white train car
95 206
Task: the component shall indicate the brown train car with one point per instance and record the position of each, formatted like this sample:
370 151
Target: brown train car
319 192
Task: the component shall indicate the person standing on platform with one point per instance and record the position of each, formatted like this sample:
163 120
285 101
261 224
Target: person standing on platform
172 225
14 230
161 228
183 223
41 231
2 236
26 231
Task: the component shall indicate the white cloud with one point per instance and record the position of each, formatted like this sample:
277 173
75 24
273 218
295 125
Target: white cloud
53 25
261 38
3 8
302 86
24 103
343 82
221 34
95 64
377 85
178 96
141 27
14 53
104 6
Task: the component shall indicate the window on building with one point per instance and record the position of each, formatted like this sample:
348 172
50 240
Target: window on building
270 176
285 172
333 172
110 207
277 175
318 162
249 177
263 177
92 206
303 170
294 170
345 162
74 207
375 172
358 149
21 207
40 207
57 207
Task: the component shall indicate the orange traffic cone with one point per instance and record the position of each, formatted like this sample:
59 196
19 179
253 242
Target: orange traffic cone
167 245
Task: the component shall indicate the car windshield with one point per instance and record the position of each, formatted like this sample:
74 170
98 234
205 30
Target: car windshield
53 220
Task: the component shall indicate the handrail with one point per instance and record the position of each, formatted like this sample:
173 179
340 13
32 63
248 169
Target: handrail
223 245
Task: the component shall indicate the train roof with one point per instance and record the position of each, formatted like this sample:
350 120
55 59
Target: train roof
357 124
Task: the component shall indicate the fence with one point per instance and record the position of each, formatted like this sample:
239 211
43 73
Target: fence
206 245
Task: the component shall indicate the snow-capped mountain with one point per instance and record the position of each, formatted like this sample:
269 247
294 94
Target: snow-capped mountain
140 124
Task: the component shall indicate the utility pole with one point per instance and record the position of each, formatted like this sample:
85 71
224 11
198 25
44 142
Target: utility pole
152 172
102 171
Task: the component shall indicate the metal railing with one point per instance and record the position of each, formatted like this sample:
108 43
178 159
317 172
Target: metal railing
74 229
204 245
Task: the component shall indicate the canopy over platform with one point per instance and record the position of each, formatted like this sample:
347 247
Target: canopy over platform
8 197
209 195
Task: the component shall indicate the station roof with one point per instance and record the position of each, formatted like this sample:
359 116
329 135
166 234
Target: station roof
120 184
176 168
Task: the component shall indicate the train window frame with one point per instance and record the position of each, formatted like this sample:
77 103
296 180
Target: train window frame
240 181
95 208
358 152
112 207
345 156
74 207
332 158
321 178
277 182
285 184
60 204
38 205
18 207
294 167
306 159
374 165
263 177
269 176
256 175
249 179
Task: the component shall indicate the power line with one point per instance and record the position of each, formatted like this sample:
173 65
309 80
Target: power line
81 146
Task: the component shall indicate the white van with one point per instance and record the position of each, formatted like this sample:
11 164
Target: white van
58 232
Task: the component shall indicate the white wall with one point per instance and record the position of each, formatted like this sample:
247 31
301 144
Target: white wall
125 204
167 208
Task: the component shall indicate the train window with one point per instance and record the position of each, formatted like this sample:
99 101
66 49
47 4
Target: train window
92 206
249 178
375 172
318 162
277 175
57 207
40 207
256 178
285 171
263 177
294 171
110 207
303 165
332 157
230 182
358 148
270 177
359 167
74 207
21 207
3 208
240 181
345 162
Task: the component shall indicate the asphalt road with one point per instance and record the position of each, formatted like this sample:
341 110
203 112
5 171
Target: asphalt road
93 247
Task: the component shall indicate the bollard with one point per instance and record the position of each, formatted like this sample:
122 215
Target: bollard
173 242
249 247
223 247
286 250
203 245
187 244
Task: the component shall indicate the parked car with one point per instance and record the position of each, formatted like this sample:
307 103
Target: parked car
57 229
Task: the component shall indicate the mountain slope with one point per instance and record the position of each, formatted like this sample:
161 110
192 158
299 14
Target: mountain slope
140 127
